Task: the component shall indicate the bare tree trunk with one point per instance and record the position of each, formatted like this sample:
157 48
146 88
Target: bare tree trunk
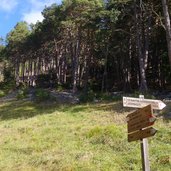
165 5
104 79
142 50
17 67
127 84
35 73
75 66
75 61
23 71
38 66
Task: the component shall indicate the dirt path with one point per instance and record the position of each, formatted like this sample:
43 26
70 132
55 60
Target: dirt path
64 97
60 97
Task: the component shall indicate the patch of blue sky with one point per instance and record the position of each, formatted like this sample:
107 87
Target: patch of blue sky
13 11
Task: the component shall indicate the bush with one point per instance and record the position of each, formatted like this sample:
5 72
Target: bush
108 97
87 97
22 86
2 93
62 87
8 75
41 95
22 93
7 86
8 80
59 88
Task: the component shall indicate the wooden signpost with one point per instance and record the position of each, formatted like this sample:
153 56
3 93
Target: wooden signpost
142 134
140 119
140 122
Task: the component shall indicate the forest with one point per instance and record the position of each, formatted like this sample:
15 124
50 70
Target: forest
98 45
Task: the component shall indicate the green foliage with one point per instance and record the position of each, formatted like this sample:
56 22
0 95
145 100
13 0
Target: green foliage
2 93
8 83
98 96
22 93
7 86
108 97
41 95
8 75
18 34
2 52
59 88
87 97
96 38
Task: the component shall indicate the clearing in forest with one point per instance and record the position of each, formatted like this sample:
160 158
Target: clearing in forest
86 137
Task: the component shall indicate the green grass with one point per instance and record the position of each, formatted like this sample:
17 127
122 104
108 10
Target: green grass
89 137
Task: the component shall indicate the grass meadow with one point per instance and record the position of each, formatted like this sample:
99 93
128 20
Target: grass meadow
86 137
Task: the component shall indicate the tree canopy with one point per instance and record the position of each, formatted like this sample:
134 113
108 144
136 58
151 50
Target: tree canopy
103 45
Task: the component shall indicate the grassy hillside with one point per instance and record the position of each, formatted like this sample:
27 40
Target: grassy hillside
90 137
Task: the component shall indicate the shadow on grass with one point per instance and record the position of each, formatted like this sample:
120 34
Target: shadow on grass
105 106
26 109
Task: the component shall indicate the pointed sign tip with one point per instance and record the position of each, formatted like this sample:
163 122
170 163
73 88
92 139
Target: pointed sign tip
162 105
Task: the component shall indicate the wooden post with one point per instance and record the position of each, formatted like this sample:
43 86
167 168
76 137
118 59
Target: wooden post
144 151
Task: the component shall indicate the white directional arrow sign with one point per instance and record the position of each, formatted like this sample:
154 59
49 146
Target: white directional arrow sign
139 103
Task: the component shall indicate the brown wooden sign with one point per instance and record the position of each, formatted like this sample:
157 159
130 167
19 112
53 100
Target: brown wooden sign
141 118
141 134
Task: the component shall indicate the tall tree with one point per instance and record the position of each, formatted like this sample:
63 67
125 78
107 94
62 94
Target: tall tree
165 4
15 45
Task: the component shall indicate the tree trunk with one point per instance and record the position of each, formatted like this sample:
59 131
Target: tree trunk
142 49
23 72
17 72
75 66
165 5
127 83
104 79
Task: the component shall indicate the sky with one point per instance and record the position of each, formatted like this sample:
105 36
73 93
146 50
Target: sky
13 11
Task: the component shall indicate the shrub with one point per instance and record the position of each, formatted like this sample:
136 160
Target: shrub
59 88
8 75
87 97
7 86
41 95
62 87
22 93
2 93
108 97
